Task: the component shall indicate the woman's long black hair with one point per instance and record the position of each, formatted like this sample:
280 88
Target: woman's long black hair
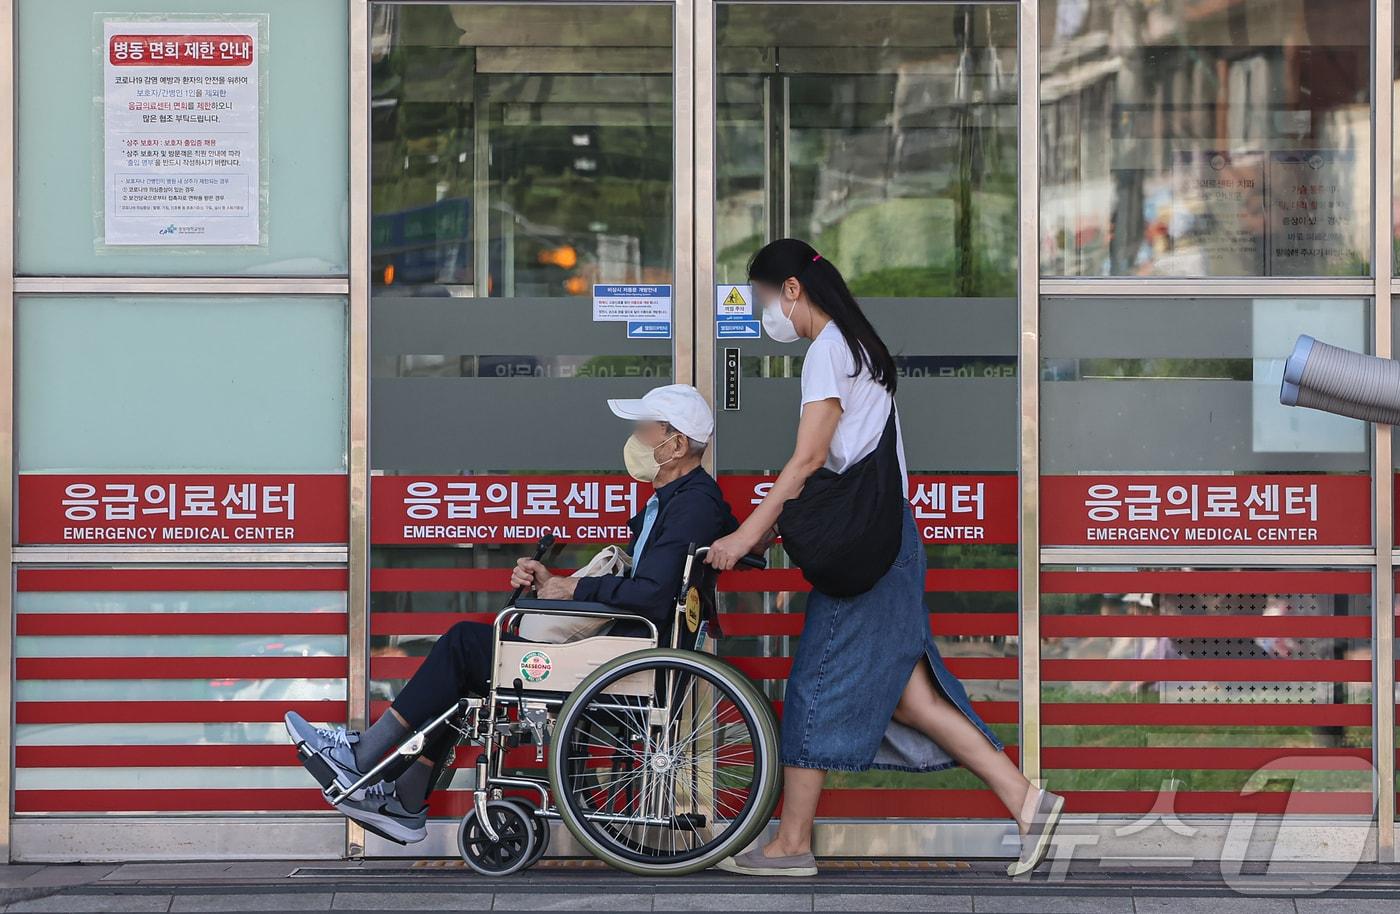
778 260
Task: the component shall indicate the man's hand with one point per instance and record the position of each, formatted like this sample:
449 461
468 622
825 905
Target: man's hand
529 574
558 588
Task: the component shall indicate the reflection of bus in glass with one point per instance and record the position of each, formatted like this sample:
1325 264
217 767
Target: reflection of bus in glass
424 244
427 250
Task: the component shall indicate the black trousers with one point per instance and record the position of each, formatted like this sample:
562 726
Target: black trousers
458 664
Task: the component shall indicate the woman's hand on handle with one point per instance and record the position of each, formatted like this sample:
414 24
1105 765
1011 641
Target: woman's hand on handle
726 551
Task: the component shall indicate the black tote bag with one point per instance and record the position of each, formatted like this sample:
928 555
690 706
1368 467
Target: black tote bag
844 529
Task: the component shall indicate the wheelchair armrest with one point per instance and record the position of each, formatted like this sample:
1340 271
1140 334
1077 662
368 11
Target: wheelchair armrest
568 608
572 607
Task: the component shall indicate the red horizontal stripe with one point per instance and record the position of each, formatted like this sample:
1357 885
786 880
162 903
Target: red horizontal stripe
1204 670
998 712
180 579
1247 626
909 804
993 712
444 580
175 712
272 799
1206 582
421 623
203 755
903 804
497 580
181 668
1204 714
220 623
942 580
1205 758
943 624
933 804
945 804
1264 802
1083 626
962 667
982 625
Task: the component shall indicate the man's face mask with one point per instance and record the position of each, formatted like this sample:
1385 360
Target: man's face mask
640 458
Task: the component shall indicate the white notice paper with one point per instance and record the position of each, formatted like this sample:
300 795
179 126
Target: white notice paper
613 302
181 117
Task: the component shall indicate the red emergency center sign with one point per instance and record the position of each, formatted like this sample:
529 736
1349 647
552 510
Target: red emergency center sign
503 509
518 509
183 509
1274 510
947 509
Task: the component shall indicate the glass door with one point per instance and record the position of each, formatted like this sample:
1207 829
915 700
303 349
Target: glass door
524 257
885 136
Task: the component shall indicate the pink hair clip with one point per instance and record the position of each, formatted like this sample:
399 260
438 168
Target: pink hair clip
816 257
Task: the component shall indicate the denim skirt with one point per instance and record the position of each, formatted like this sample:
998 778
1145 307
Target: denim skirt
852 663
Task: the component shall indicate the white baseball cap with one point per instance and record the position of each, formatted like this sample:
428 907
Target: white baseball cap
679 404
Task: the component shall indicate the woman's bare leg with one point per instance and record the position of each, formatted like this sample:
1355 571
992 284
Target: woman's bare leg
923 707
802 787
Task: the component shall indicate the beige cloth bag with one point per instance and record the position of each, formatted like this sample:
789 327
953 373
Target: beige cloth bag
558 629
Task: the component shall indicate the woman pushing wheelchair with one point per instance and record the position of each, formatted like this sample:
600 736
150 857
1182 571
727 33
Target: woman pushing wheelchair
672 428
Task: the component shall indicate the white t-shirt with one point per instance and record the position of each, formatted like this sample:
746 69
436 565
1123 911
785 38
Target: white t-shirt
865 404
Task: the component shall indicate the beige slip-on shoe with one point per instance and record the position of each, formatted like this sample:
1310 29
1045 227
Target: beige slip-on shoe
753 863
1036 841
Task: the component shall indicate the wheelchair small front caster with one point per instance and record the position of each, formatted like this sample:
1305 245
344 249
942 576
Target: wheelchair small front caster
514 823
541 841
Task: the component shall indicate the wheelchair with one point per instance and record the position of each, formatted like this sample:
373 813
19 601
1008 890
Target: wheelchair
661 760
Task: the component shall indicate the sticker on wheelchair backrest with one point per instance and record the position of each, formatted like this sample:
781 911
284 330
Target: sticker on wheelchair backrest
535 666
692 609
701 635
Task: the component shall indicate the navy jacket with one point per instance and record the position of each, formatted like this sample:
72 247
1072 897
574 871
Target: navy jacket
690 509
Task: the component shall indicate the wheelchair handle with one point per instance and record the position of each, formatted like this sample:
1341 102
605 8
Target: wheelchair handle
546 543
748 561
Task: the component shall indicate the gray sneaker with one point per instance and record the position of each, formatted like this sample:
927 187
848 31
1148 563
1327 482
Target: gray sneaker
753 863
1036 841
332 745
381 812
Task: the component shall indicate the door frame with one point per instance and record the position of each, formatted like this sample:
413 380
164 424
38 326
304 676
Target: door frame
967 837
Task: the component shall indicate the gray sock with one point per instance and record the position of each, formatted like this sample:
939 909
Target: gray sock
412 786
378 740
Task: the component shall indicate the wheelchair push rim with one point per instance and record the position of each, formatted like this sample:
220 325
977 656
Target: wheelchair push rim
665 789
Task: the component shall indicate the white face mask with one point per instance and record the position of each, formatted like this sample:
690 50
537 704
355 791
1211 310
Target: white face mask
779 325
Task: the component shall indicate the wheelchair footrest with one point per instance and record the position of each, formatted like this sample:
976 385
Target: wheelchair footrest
320 769
385 835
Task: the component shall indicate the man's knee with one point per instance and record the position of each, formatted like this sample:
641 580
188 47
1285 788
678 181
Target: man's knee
469 634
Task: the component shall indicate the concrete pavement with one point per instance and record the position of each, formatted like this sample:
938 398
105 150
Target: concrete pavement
971 887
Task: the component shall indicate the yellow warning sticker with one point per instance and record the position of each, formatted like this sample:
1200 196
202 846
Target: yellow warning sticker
733 301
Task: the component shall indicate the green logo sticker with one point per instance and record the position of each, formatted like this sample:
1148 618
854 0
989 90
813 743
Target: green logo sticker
535 666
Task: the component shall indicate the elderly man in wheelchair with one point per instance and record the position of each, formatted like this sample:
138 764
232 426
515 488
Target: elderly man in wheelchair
661 758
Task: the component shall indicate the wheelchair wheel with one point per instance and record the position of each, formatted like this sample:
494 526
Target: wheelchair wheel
665 788
514 823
